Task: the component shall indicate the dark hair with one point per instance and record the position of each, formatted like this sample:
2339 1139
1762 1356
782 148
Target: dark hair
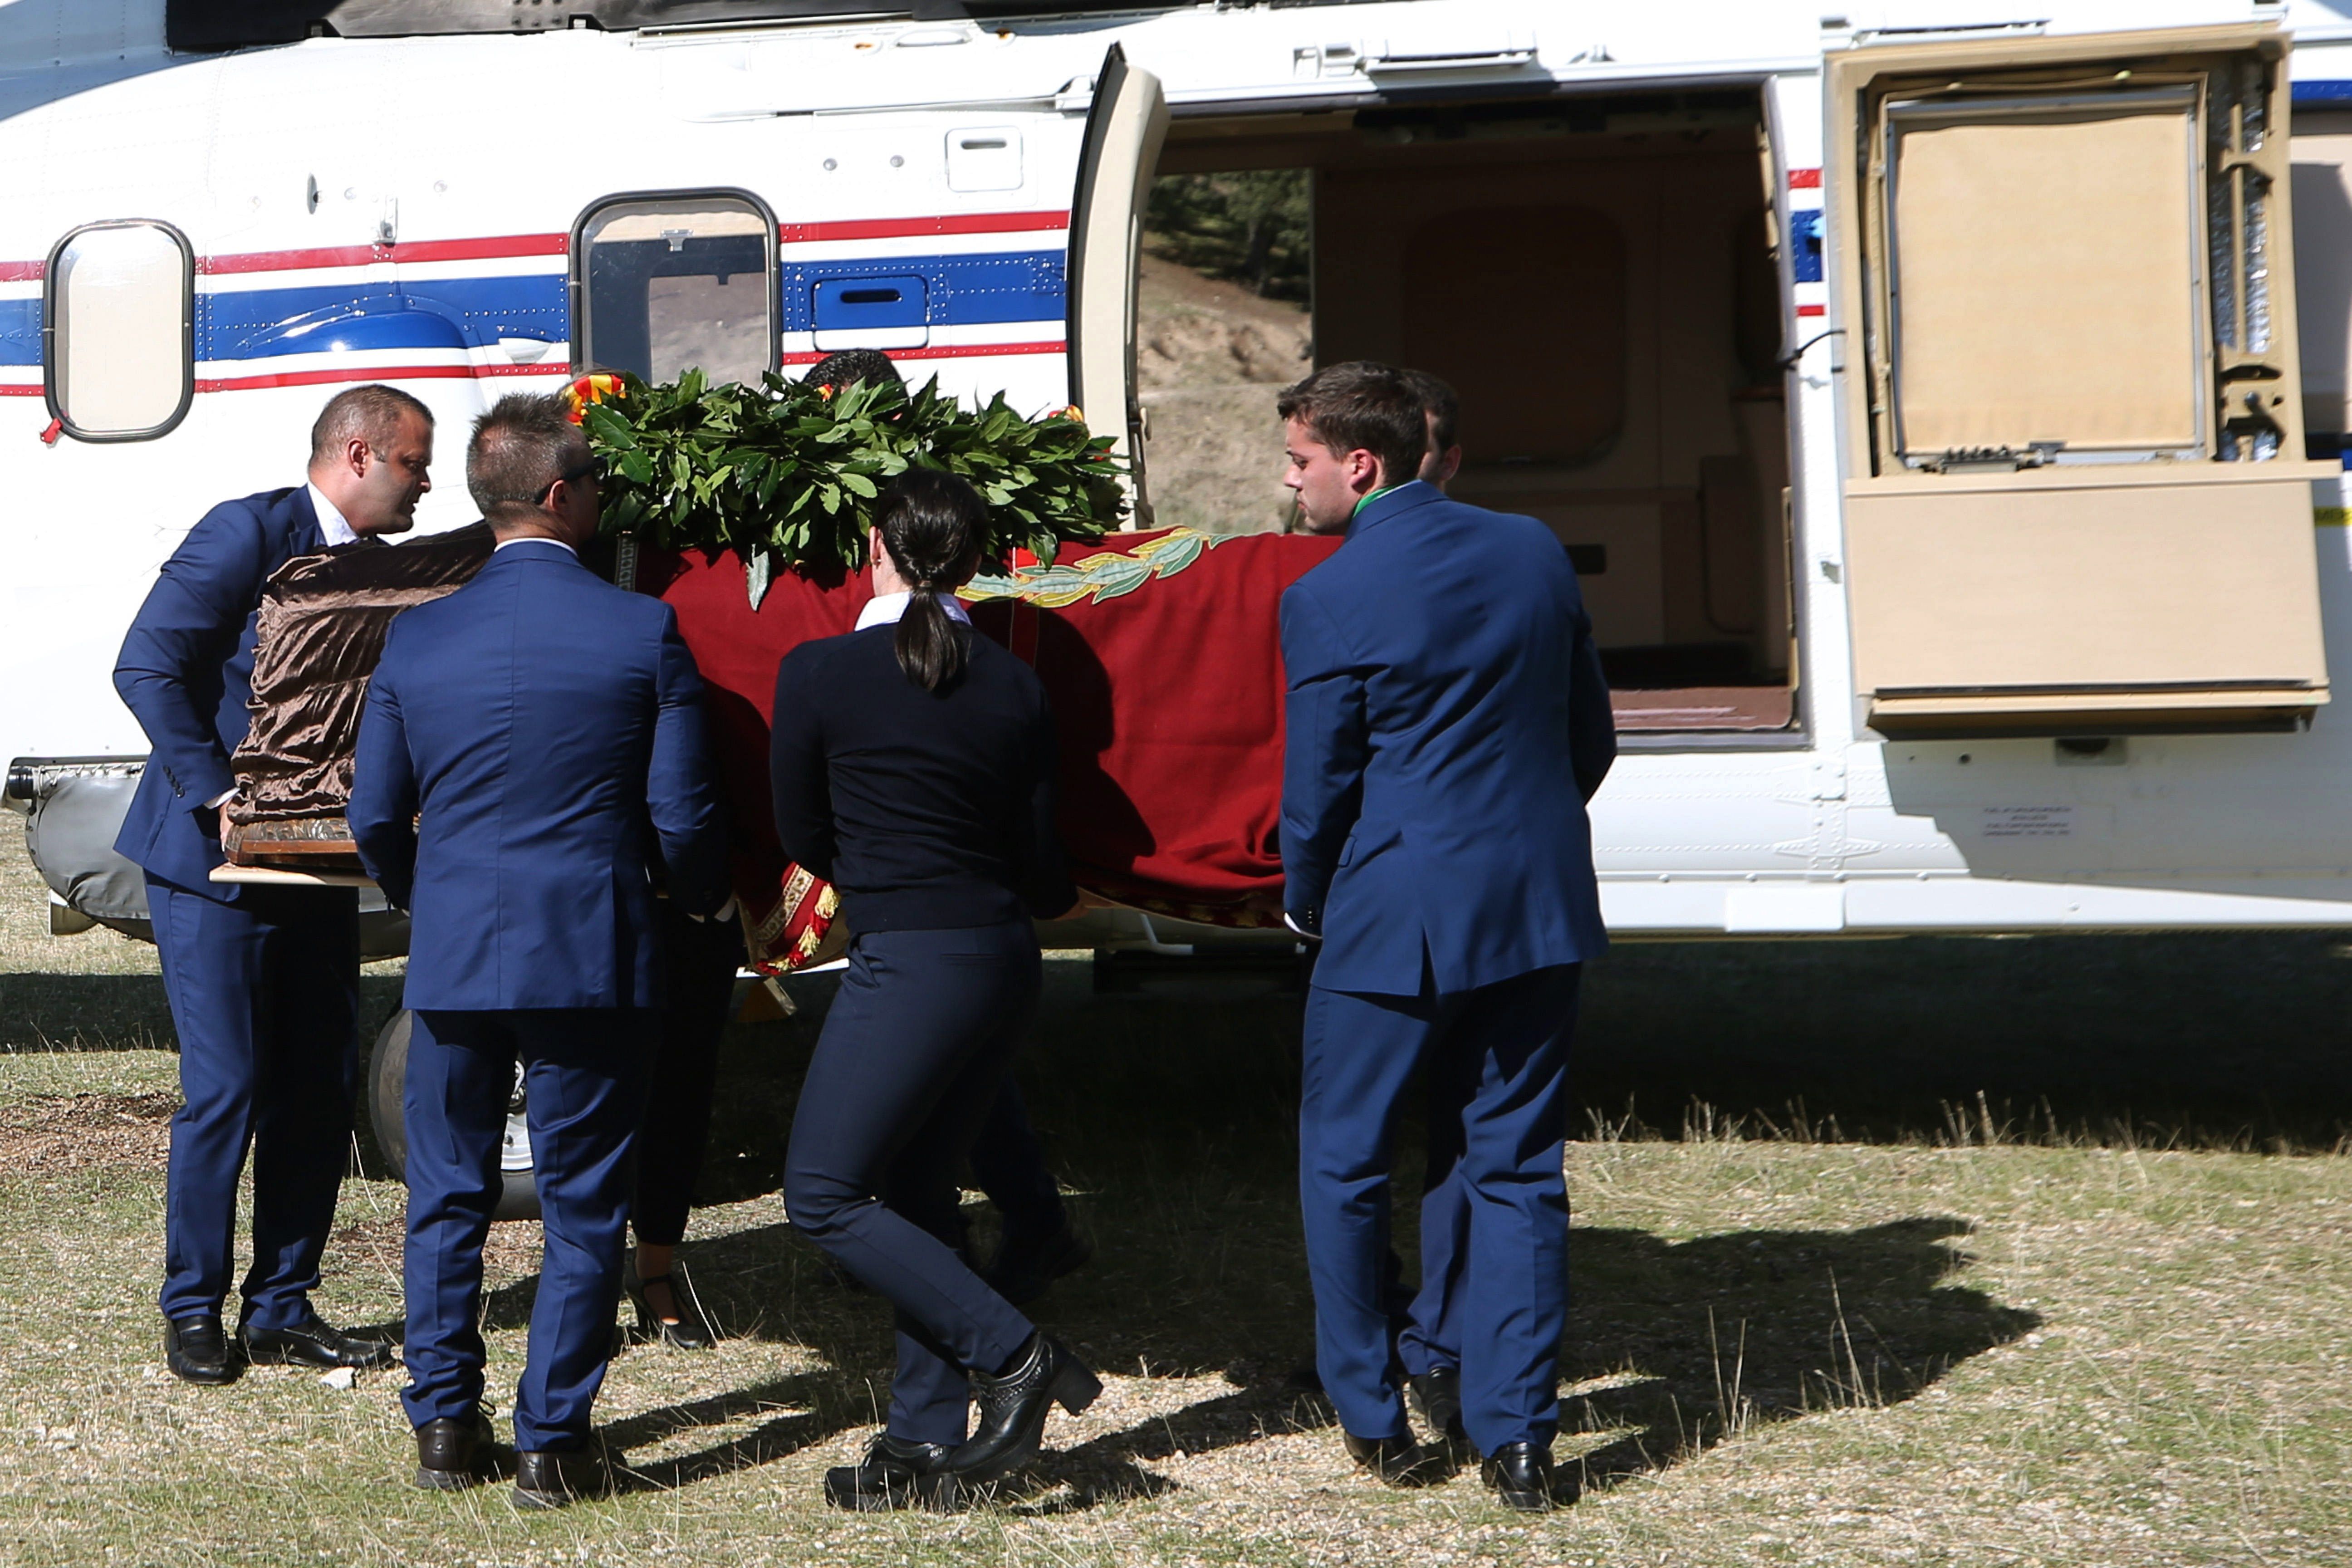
851 366
372 413
932 524
1442 407
524 443
1364 405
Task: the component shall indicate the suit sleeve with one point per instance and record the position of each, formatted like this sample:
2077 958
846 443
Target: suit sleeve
1591 725
1325 744
382 809
1046 886
797 778
188 628
679 790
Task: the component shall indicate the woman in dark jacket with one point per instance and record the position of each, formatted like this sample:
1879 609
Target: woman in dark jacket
913 768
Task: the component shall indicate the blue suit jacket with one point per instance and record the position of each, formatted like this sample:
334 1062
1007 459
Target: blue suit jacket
186 671
542 731
1447 721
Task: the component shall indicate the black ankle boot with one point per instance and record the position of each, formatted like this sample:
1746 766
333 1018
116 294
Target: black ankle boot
1012 1406
1520 1474
894 1473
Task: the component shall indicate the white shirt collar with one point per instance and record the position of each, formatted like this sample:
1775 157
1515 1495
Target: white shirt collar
331 523
536 539
884 609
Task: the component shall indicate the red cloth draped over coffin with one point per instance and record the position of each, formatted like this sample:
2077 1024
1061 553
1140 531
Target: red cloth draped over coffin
1161 654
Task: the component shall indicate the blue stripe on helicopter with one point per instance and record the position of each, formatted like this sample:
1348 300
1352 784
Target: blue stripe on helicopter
475 312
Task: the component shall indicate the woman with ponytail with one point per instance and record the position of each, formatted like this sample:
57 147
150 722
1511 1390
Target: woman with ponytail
913 768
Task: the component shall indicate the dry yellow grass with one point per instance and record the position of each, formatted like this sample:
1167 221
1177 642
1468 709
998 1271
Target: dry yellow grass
1781 1351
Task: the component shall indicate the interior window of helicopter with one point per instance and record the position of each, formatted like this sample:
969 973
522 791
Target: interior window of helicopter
674 283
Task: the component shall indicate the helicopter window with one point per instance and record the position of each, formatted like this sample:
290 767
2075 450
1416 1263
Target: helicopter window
668 284
118 313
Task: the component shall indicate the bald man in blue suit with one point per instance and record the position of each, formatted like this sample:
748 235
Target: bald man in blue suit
1446 723
531 754
263 982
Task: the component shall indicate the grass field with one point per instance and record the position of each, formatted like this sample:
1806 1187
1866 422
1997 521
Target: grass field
2048 1266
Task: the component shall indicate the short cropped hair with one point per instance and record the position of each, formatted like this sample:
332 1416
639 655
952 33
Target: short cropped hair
372 414
847 368
1440 406
1362 403
524 443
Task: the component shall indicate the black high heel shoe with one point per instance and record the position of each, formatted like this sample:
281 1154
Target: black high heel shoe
1012 1407
691 1333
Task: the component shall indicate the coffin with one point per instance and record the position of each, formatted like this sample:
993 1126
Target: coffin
1161 651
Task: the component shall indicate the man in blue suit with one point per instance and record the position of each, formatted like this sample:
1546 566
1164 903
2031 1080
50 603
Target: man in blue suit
1446 723
264 981
532 752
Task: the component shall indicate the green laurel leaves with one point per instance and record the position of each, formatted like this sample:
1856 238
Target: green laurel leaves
791 472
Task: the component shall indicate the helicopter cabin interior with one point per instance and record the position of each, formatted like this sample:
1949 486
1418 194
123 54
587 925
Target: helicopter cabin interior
1596 279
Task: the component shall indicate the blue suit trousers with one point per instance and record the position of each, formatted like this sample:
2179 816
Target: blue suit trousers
912 1057
1494 1291
264 995
585 1073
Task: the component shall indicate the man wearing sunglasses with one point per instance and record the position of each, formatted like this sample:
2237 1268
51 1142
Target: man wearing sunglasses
532 749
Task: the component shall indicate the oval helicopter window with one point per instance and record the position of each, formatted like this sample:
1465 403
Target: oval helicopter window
118 309
669 284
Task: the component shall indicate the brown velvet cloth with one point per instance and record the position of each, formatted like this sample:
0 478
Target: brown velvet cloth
321 628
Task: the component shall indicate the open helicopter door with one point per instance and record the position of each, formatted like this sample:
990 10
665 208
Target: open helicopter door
2076 500
1124 131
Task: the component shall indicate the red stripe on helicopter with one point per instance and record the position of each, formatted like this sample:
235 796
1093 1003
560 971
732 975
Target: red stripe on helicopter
1813 309
1805 179
915 227
507 246
373 255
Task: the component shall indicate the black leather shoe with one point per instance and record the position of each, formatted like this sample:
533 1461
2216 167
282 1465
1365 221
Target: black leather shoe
1520 1474
1396 1461
553 1478
1437 1397
310 1343
1023 1269
1012 1407
452 1453
895 1473
195 1349
691 1333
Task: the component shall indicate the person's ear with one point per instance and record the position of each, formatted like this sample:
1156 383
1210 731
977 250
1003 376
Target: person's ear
357 455
1447 466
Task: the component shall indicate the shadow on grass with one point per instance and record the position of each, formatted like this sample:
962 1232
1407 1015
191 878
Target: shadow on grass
1674 1347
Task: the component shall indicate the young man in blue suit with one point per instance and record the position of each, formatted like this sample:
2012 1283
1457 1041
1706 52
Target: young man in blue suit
532 752
1446 723
264 981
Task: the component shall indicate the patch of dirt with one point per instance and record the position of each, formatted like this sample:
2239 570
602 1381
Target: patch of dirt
57 1132
1210 357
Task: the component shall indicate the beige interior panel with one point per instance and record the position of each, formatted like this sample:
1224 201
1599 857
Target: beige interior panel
1526 304
2043 282
1628 600
2160 585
